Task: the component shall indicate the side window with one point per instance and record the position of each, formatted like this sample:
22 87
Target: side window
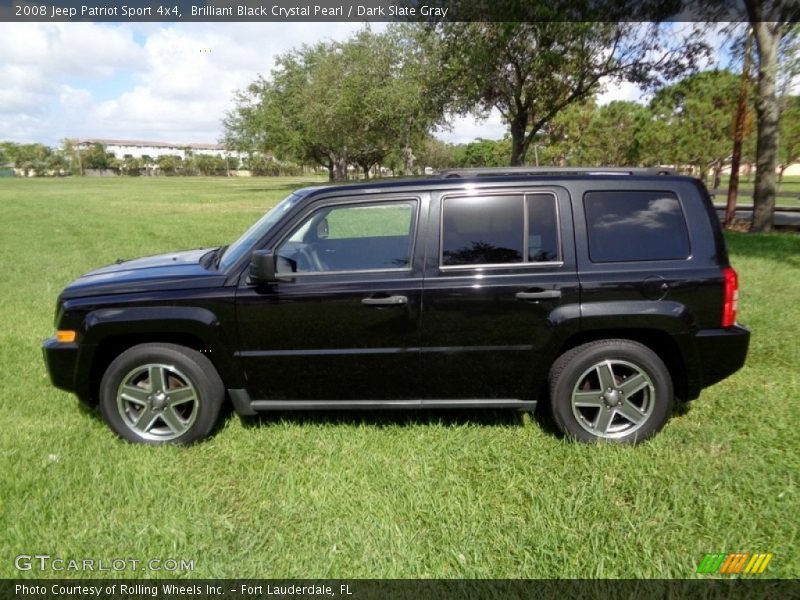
542 228
351 237
482 230
635 226
496 230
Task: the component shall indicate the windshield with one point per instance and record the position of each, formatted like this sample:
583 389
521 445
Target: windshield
256 232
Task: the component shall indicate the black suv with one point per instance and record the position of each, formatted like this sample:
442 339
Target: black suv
607 293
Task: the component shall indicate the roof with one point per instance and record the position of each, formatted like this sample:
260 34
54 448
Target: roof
146 143
534 171
464 177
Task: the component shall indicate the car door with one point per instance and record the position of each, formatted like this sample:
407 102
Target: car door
342 322
500 275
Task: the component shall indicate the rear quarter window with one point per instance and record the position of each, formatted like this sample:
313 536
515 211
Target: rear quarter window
628 226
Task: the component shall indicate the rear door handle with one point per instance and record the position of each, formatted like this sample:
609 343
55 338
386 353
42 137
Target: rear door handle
543 295
386 301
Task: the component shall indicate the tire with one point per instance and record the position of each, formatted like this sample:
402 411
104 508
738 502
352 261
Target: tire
615 390
161 394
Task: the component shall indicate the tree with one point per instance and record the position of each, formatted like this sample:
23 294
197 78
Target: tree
531 71
486 153
771 21
209 165
96 157
73 156
131 165
338 103
56 164
563 135
612 135
169 164
436 154
698 115
30 158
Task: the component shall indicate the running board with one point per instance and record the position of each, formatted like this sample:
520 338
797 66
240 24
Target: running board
245 406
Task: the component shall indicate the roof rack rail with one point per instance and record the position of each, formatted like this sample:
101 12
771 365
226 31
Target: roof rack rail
523 171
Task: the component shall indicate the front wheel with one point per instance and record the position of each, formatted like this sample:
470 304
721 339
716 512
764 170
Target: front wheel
161 393
617 390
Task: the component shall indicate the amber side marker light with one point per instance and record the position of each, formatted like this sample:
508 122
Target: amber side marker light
65 336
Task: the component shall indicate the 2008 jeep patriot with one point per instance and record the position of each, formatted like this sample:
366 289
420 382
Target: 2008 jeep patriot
607 292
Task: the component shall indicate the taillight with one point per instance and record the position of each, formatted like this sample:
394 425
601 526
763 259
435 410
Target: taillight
730 297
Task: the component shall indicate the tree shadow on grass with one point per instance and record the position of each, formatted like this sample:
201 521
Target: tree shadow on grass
780 247
286 187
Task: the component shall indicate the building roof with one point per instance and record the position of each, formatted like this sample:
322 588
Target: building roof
148 143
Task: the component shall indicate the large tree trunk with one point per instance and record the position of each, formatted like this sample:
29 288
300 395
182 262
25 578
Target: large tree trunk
340 167
519 147
408 160
768 111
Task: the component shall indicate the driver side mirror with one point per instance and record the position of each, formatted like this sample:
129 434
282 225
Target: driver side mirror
262 266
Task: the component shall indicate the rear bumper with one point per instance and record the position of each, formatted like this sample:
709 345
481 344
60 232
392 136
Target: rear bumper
721 352
61 361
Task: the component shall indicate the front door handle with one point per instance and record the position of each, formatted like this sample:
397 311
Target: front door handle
543 295
385 301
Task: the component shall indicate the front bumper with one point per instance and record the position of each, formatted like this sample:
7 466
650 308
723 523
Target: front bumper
61 360
721 352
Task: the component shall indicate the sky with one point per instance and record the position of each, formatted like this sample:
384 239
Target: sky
168 82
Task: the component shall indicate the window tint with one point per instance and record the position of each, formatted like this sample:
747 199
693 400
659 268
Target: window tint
631 226
351 238
482 230
542 228
491 229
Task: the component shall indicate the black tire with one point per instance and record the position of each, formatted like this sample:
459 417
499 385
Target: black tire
183 405
631 410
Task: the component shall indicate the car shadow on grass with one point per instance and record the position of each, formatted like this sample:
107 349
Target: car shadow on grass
390 418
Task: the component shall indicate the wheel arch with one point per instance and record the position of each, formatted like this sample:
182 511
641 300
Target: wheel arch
107 333
671 351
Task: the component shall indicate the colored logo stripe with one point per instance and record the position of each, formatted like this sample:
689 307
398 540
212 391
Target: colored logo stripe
734 563
711 563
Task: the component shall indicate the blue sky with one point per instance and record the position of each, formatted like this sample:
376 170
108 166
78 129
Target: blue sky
155 81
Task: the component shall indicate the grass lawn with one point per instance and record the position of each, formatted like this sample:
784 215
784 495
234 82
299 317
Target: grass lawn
409 494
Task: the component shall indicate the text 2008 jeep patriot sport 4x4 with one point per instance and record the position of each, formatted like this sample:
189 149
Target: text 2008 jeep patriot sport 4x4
608 293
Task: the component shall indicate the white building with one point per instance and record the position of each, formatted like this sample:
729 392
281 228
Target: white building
139 148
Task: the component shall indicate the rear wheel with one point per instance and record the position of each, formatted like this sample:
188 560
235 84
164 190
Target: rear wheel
616 390
161 393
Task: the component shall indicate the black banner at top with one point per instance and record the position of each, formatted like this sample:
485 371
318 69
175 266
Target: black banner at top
384 10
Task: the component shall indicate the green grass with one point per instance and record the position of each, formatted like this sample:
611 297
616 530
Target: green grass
461 494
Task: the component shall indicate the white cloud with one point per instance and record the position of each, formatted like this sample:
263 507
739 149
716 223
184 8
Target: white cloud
619 91
74 100
464 130
91 50
175 86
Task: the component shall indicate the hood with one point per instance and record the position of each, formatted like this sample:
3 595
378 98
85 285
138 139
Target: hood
173 271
